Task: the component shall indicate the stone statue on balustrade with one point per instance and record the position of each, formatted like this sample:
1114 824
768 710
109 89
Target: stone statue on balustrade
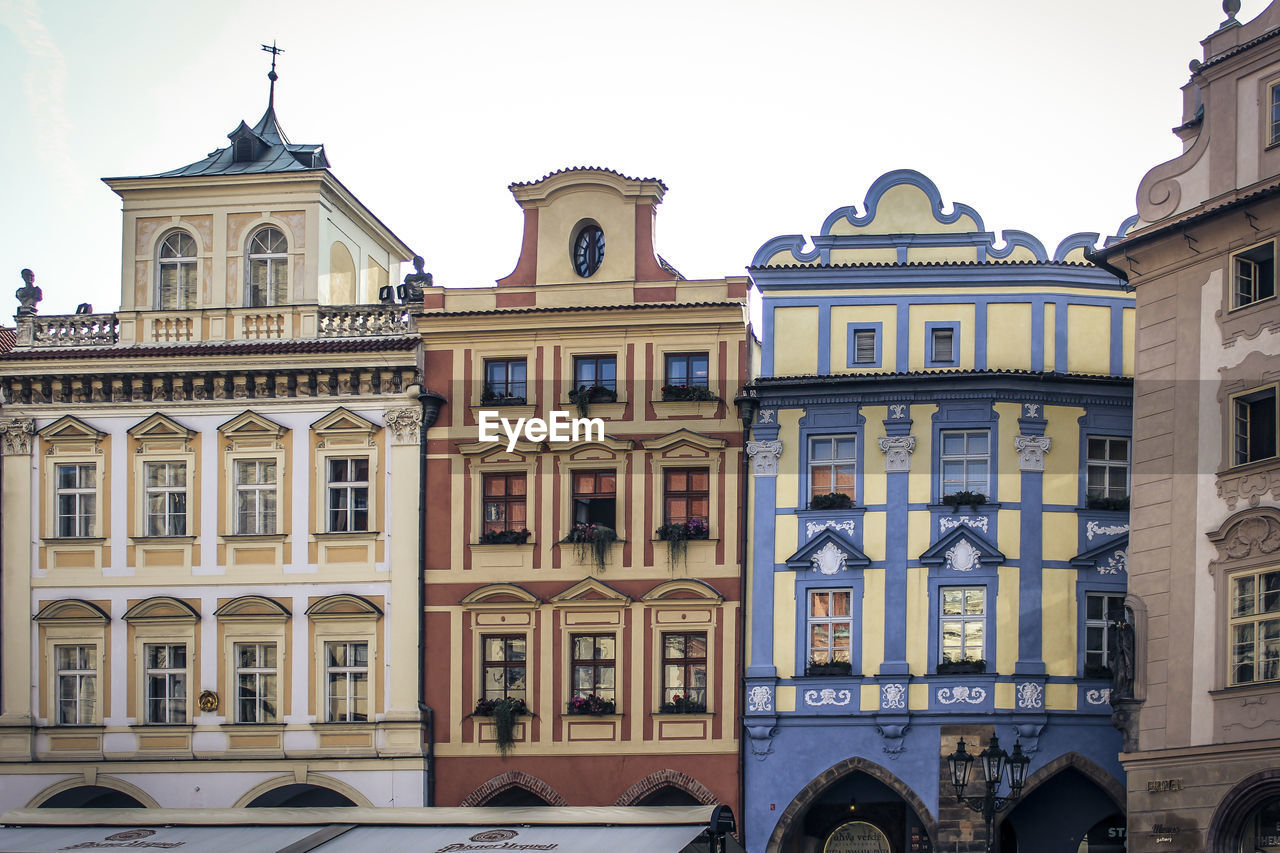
28 295
411 290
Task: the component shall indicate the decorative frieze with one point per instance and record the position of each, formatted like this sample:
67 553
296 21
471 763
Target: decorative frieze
1031 450
764 457
951 522
897 450
1093 529
760 699
827 696
961 694
812 528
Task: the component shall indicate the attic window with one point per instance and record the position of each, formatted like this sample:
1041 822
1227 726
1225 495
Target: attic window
243 152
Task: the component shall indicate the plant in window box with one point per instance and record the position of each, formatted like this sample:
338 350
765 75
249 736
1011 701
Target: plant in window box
955 500
591 541
671 393
1114 504
584 395
677 534
961 667
1097 670
489 397
831 500
683 705
504 537
591 705
504 712
829 668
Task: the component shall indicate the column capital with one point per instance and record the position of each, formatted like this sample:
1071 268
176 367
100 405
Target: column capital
764 457
897 450
17 433
1031 450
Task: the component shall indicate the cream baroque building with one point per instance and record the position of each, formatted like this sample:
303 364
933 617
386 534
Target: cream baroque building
209 566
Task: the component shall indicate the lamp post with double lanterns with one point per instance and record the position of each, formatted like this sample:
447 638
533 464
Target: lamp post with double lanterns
994 760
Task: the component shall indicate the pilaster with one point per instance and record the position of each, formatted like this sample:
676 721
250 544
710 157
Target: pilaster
16 507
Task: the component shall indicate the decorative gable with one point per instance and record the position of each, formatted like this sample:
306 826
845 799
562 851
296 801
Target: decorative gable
1109 558
962 551
591 591
71 610
683 589
342 605
251 427
68 428
162 607
255 607
343 426
501 594
673 443
828 553
161 432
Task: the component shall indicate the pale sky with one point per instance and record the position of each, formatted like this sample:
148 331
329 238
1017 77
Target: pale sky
760 117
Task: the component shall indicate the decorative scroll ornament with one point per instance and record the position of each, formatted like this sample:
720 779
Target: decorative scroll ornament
760 699
951 522
962 556
17 434
827 696
953 695
1030 695
1031 450
897 451
829 559
814 527
893 696
1255 535
764 457
1115 564
1098 697
1248 487
1093 529
404 425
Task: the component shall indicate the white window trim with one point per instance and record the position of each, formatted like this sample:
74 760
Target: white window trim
811 620
966 457
964 618
80 674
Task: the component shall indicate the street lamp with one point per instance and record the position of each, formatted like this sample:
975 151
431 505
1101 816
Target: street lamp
994 761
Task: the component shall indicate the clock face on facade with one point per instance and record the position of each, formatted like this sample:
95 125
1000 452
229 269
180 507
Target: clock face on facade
588 250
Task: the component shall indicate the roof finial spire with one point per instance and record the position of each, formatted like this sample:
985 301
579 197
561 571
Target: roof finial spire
271 75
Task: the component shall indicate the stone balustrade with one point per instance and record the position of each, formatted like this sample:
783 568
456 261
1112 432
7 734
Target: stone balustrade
68 330
359 320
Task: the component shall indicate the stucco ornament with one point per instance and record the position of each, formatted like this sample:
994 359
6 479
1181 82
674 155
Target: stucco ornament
1031 450
951 522
829 559
1248 487
17 434
1115 564
827 696
404 425
1031 409
760 699
1030 695
1257 534
962 556
897 451
812 528
208 701
897 411
1093 529
961 693
766 416
764 457
893 696
1098 697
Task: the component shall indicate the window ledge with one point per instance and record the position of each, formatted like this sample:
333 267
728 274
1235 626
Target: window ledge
708 539
148 540
167 727
348 534
528 544
255 537
349 724
72 727
251 726
73 540
507 410
702 715
1265 688
569 716
1250 467
979 508
1255 303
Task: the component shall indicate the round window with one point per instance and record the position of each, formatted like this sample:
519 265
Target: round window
588 250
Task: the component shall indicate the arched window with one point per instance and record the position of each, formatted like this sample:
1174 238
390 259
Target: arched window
268 268
177 262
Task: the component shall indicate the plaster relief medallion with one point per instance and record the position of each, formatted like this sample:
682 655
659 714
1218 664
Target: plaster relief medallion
961 693
827 696
951 522
962 556
1093 529
1255 535
208 701
812 528
759 699
1098 697
1248 487
829 560
1030 695
1115 564
893 696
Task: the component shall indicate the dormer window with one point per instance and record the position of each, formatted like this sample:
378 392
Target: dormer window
268 268
177 264
243 152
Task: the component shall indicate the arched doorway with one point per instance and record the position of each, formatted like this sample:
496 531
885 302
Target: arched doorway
1066 813
91 797
1248 817
300 797
515 797
669 795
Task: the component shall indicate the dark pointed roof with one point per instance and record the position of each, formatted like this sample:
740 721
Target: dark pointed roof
265 149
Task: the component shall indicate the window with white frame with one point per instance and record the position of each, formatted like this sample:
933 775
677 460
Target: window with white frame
684 671
1254 425
593 661
833 465
1254 627
348 494
505 667
256 682
165 676
965 461
76 671
166 498
1107 468
1101 610
346 682
76 498
1253 275
268 264
830 627
962 624
255 489
177 269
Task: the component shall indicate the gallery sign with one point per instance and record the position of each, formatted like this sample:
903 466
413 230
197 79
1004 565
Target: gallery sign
857 836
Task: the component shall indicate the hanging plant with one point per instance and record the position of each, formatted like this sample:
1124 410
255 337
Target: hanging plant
591 542
672 393
955 500
832 500
504 537
683 705
591 705
584 395
1112 504
677 535
504 713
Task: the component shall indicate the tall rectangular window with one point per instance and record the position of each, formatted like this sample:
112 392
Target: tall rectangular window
595 497
166 682
77 678
1255 627
830 627
166 497
76 499
504 502
686 495
504 380
965 461
1253 275
1107 468
595 371
1254 426
256 679
347 682
833 465
594 658
504 667
962 624
688 369
864 346
1274 126
348 492
942 345
684 669
1100 609
255 496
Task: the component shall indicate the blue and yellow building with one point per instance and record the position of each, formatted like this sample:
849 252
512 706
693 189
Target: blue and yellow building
939 517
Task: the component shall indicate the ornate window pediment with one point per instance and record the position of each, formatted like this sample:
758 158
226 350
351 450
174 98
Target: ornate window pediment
1250 536
1109 558
962 550
250 425
71 609
343 605
684 588
671 440
503 595
162 607
591 591
828 553
68 428
252 607
344 422
161 432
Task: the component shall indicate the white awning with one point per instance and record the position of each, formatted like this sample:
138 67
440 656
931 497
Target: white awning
39 839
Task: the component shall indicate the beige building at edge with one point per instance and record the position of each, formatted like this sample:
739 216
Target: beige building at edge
1203 728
